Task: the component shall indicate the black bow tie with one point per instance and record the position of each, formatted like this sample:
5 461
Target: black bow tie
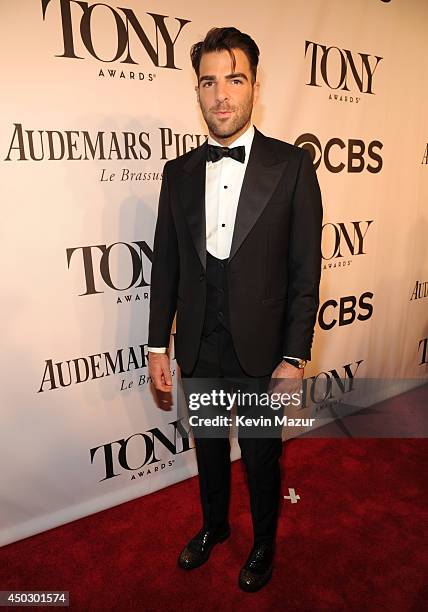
214 153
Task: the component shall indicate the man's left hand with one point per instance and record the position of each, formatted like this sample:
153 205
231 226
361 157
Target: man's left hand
286 379
286 370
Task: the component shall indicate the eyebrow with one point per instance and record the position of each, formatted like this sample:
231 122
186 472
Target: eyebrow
234 75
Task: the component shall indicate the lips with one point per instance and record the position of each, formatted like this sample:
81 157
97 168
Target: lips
223 113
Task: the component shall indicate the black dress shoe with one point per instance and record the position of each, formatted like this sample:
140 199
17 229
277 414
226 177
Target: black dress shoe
257 570
198 550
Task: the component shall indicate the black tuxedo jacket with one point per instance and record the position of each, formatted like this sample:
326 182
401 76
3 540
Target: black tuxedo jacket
274 264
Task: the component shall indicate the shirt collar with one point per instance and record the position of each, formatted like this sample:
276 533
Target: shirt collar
245 139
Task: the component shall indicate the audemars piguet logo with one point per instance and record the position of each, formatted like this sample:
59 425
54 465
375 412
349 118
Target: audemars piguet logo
82 369
341 70
419 290
150 37
29 144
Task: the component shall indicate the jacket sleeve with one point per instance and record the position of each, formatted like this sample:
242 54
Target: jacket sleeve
304 261
165 270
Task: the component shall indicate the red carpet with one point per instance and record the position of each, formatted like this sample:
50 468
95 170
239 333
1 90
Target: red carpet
354 541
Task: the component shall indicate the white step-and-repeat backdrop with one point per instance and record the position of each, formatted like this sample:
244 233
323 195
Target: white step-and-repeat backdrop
95 98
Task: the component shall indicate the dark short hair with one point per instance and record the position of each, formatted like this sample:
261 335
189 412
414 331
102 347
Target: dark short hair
226 39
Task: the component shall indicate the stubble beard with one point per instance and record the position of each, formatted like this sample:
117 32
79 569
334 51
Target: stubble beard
239 119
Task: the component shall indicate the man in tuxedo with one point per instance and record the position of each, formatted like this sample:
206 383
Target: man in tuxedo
237 257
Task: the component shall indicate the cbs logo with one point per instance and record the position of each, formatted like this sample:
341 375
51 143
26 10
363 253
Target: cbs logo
345 311
353 155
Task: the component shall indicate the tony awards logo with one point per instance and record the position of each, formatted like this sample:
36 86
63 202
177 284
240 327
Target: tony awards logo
130 40
341 70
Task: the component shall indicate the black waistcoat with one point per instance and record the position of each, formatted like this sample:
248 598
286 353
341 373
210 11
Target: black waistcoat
217 305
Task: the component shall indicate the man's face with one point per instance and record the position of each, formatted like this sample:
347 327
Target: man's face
226 95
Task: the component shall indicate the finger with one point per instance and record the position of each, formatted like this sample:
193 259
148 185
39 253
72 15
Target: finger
161 386
167 376
157 378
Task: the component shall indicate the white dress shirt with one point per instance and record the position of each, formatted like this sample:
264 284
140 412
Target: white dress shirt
223 185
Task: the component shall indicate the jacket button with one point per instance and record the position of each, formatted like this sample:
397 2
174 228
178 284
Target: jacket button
220 314
202 276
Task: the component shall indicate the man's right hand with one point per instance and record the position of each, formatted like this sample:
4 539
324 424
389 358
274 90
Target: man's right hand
160 371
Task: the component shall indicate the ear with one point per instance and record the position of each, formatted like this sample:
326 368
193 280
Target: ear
256 91
197 94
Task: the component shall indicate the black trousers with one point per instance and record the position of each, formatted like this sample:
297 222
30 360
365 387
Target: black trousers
261 456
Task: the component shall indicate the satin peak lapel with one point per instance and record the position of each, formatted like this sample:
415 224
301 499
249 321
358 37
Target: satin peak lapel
192 197
260 180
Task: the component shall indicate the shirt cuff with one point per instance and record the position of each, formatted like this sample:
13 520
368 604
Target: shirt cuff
156 349
289 357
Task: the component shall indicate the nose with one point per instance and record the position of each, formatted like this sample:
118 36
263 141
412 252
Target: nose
221 92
